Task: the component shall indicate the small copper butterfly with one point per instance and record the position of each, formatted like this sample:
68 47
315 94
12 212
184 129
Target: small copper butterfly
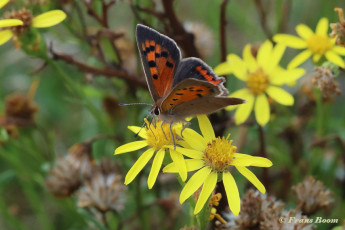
180 88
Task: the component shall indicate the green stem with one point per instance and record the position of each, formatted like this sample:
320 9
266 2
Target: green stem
319 113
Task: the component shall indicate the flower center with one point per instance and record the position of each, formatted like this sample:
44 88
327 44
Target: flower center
257 82
25 16
219 153
158 136
319 44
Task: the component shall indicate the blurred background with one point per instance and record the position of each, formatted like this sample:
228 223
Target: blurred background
60 118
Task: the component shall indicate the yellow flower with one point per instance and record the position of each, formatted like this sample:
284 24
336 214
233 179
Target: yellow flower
316 44
214 157
263 76
159 139
7 23
44 20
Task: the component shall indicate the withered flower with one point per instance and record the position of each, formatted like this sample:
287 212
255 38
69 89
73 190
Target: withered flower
324 80
64 178
312 196
105 192
338 29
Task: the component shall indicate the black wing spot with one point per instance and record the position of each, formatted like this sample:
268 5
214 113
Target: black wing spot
199 90
179 94
157 55
184 88
155 76
169 64
143 53
175 99
171 104
191 87
199 95
191 90
148 50
152 48
164 54
152 64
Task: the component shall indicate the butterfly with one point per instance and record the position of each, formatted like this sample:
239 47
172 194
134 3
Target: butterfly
180 88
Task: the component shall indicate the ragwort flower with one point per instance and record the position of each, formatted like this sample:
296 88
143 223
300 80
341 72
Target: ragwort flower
264 77
44 20
159 139
7 22
317 44
214 157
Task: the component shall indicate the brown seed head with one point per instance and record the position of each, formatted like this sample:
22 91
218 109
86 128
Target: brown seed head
25 16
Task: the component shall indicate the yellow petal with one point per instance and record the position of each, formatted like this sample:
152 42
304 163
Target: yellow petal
299 59
139 165
262 109
232 193
252 178
264 55
322 27
280 95
247 160
191 153
238 67
207 188
241 93
335 58
156 166
277 54
248 58
280 76
48 19
339 50
3 3
195 140
130 147
10 22
206 128
194 183
304 31
179 163
290 40
223 69
5 35
191 164
244 110
316 57
136 129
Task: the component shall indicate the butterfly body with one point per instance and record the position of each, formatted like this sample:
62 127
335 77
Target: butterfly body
181 88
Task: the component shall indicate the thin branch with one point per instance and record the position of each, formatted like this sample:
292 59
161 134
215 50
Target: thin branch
98 71
263 18
223 31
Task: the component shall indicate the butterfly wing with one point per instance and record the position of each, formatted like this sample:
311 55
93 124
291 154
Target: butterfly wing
160 56
192 97
195 68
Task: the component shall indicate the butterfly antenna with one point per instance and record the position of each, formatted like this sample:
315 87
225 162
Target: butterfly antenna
138 103
136 135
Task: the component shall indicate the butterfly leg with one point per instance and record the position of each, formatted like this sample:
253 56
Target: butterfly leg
185 124
172 135
163 130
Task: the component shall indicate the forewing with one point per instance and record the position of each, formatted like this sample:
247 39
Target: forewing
160 57
197 69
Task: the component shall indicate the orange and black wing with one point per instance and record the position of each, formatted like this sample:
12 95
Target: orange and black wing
195 68
160 57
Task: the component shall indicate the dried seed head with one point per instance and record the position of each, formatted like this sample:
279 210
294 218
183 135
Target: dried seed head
255 208
104 192
324 80
338 29
287 220
64 178
20 109
81 156
25 16
312 196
